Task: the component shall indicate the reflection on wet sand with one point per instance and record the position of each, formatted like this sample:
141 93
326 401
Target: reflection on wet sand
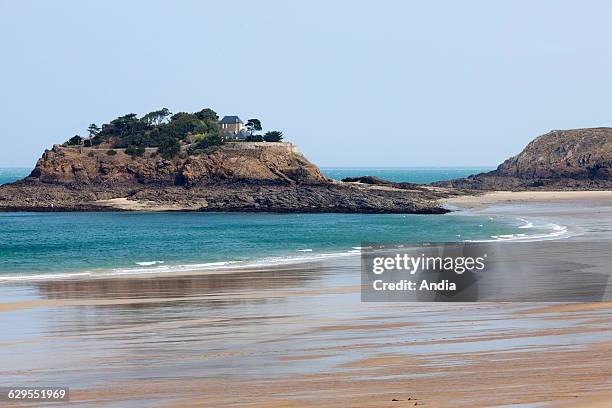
293 336
181 286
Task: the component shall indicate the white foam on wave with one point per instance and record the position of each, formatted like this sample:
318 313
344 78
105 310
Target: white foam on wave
41 277
168 268
539 230
183 268
508 236
149 263
547 231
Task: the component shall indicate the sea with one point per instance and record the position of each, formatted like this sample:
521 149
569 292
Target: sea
59 245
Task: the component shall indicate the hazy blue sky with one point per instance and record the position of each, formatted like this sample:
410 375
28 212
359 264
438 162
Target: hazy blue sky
393 83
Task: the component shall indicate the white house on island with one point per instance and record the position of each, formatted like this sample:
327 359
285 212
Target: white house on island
233 128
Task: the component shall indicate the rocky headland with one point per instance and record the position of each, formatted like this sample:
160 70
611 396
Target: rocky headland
233 176
576 159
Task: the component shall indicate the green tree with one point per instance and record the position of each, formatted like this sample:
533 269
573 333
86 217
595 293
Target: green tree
169 148
182 123
124 131
209 140
93 130
135 151
125 122
253 125
124 126
273 136
157 117
75 140
207 115
156 128
254 138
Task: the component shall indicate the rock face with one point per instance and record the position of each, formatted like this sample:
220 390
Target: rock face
232 162
232 177
560 159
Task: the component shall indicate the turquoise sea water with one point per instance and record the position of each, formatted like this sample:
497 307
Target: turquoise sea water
397 174
8 175
419 175
69 242
53 244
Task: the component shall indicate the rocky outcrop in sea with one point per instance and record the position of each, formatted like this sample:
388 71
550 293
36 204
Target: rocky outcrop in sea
236 176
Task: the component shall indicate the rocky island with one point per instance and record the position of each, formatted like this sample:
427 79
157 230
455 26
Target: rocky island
187 163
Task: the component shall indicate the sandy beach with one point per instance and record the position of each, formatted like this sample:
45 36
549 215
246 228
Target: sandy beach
298 335
528 197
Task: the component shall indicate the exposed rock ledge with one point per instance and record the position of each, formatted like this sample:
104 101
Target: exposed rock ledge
234 177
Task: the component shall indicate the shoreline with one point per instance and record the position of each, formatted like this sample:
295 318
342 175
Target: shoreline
572 209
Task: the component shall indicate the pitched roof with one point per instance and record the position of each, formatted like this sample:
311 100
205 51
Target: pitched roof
231 119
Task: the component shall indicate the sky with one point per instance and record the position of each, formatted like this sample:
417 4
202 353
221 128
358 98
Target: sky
351 83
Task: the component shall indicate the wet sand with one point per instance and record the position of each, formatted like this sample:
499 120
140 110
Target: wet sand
298 335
